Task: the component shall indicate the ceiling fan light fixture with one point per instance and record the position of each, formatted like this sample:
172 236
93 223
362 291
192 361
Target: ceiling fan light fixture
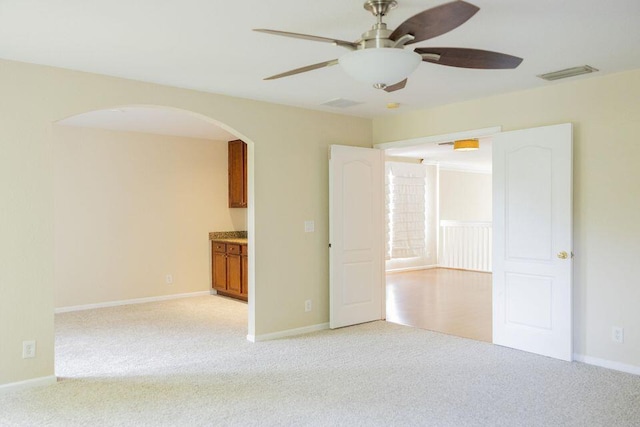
380 67
466 145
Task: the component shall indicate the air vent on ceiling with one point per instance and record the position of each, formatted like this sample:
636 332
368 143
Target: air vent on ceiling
569 72
341 103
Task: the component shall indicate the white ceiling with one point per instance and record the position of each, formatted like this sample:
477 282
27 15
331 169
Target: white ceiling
162 121
208 45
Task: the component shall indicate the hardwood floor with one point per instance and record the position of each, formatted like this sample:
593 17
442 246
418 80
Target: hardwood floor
454 302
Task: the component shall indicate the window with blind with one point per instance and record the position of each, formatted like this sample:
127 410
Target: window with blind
406 186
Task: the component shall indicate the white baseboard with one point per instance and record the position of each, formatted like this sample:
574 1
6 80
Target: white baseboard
288 333
21 385
129 301
462 269
609 364
401 270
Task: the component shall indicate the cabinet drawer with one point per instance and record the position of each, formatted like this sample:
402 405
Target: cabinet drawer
244 250
233 249
219 247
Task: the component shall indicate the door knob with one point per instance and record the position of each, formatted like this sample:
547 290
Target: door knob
563 255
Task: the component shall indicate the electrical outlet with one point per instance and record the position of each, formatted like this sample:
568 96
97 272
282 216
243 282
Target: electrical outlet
28 349
617 334
309 226
307 305
169 279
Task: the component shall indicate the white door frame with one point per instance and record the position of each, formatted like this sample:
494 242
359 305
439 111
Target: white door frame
434 139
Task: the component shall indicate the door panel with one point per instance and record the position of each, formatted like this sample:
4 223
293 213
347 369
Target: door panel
359 276
356 214
234 273
219 270
528 203
532 215
528 300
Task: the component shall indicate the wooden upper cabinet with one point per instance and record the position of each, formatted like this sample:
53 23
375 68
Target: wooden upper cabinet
237 174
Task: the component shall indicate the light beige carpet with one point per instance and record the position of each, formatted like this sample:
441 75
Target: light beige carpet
187 363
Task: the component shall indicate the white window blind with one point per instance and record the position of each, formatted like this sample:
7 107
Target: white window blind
406 210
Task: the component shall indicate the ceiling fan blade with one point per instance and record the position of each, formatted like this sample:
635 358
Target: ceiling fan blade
435 21
397 86
304 69
342 43
468 58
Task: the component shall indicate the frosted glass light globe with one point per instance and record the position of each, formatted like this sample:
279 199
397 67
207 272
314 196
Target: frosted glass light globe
380 66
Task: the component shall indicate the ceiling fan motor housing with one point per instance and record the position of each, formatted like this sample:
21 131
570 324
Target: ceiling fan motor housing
380 7
376 37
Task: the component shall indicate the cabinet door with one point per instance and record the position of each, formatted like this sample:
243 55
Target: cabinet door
234 269
237 174
245 271
219 266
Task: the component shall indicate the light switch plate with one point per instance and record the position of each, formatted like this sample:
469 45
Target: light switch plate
309 226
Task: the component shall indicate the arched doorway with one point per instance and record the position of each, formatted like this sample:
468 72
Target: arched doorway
136 190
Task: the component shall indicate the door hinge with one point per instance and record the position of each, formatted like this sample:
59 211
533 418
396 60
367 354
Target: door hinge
329 245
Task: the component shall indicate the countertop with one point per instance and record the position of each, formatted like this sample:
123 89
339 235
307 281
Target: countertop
236 237
237 241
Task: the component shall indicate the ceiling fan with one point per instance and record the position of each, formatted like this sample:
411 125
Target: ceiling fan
379 57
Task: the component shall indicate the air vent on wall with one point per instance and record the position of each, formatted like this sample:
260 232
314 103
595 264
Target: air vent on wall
569 72
341 103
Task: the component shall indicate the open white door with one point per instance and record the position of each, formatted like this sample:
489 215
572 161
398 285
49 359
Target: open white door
356 235
532 234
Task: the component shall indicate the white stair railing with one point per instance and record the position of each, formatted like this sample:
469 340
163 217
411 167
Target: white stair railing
465 245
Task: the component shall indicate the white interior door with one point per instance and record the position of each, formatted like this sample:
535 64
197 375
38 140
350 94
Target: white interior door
532 213
356 235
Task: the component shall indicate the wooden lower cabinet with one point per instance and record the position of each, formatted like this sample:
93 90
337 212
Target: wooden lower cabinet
234 274
229 269
245 270
219 266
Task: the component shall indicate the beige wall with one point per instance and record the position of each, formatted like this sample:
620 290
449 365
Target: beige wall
605 112
288 152
465 196
131 208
